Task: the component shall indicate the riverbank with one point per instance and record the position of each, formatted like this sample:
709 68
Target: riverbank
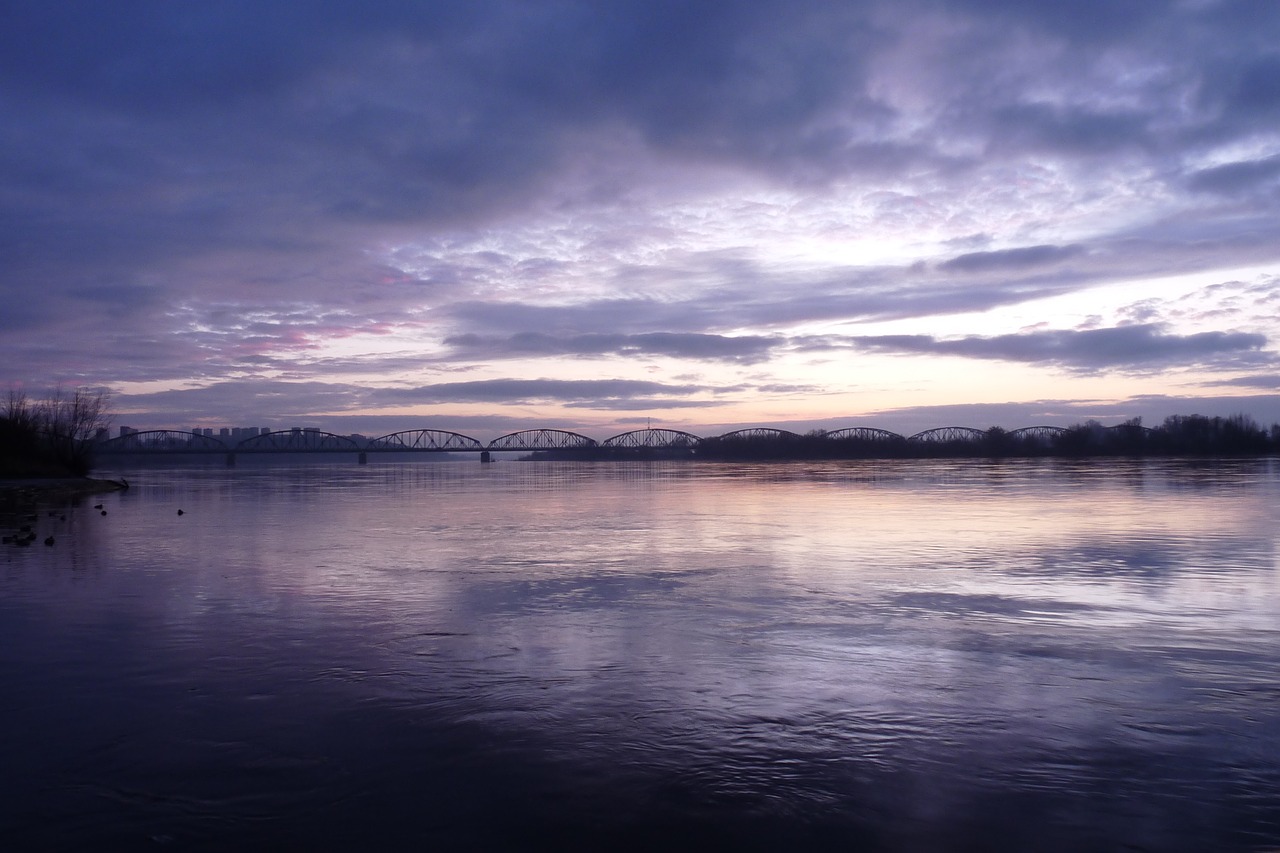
17 493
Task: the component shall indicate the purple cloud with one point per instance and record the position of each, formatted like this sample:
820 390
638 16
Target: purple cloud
1136 346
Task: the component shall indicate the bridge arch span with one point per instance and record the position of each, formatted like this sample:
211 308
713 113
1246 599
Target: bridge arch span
950 433
863 434
754 433
1038 433
653 438
425 439
295 440
161 441
541 439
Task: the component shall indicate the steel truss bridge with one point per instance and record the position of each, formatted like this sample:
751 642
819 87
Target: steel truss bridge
164 441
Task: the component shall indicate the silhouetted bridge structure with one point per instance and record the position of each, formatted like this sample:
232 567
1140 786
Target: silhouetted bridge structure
312 440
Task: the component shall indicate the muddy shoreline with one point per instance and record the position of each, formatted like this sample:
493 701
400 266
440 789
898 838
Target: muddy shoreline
19 493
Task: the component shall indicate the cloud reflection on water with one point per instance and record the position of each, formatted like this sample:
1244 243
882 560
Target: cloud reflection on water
909 654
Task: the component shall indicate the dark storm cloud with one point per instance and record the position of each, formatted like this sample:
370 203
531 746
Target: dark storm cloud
1122 347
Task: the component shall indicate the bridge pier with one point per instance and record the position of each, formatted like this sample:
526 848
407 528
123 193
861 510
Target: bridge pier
485 457
363 458
231 459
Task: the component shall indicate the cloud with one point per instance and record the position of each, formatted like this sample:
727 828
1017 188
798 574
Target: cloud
1086 22
748 296
1263 381
1070 130
1239 94
1010 259
245 402
512 391
1237 177
274 402
1136 346
744 349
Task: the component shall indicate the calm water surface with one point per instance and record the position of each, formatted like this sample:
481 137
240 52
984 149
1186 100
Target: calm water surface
862 656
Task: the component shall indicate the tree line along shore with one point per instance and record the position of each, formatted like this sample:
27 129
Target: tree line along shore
1179 435
51 437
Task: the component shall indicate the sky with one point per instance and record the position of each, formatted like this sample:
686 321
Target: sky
488 216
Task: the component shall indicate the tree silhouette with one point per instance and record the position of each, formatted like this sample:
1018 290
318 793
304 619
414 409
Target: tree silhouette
54 435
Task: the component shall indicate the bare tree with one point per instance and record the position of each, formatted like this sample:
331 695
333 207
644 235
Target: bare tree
69 421
20 443
18 413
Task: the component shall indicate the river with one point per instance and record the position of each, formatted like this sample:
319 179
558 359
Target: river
873 655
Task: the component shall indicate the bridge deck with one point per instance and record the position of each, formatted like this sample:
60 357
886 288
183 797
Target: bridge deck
526 441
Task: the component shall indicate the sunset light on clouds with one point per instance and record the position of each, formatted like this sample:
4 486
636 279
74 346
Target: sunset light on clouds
488 216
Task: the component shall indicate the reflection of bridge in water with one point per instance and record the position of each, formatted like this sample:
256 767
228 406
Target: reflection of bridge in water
532 440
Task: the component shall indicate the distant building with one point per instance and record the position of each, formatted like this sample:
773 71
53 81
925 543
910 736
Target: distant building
125 430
